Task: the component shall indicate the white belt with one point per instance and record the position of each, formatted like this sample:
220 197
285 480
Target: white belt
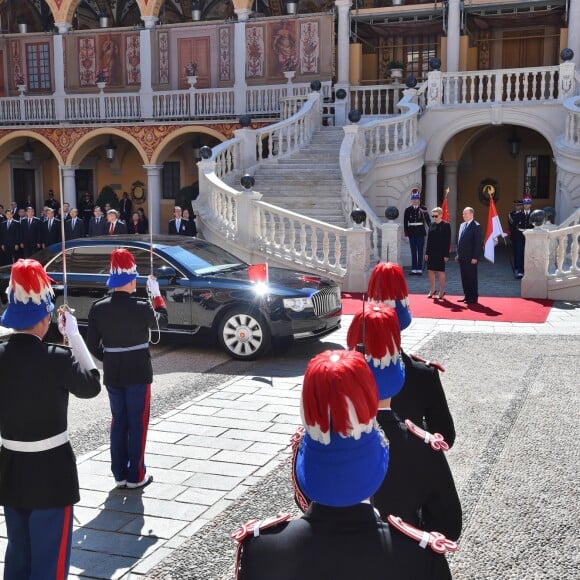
415 224
36 446
126 348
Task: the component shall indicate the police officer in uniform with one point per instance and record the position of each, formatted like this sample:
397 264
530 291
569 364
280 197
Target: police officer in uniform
118 335
521 222
38 474
341 461
422 398
416 221
514 234
419 486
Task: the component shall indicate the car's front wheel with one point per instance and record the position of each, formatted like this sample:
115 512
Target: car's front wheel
243 335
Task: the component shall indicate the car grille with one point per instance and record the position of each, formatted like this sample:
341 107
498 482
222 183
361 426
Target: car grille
326 301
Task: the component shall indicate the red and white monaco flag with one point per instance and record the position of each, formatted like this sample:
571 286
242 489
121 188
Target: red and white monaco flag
493 232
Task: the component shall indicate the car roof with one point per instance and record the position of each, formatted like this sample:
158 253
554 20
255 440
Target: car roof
135 240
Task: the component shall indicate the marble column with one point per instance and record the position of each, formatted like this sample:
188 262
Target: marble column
240 85
146 90
431 184
450 179
343 49
453 34
574 29
59 92
69 188
154 197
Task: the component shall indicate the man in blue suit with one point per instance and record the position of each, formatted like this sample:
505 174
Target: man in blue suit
469 246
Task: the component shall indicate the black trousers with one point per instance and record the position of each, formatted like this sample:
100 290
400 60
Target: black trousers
468 279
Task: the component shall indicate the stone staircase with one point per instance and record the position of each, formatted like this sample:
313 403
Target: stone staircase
307 182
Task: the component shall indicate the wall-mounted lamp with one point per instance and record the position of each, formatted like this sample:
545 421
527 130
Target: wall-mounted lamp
28 151
110 149
196 12
514 143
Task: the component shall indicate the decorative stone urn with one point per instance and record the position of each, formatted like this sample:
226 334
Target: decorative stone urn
192 80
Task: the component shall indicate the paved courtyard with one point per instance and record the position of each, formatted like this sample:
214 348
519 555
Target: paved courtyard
222 457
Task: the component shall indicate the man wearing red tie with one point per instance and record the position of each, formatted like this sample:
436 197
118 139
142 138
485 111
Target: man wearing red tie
114 225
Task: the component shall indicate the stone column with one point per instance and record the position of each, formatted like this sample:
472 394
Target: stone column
146 91
240 85
453 35
451 183
154 196
574 29
431 184
343 48
59 94
69 187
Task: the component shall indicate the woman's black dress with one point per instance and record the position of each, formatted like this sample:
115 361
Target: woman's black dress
438 242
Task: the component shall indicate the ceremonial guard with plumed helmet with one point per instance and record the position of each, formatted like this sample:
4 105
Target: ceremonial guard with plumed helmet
341 461
519 223
118 335
38 474
416 221
422 398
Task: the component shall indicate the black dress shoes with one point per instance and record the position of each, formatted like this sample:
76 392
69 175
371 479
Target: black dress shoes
462 300
470 301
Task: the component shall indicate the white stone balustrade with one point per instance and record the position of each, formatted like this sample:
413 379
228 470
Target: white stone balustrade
376 99
572 130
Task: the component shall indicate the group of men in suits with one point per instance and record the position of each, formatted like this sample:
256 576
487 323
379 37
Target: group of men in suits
180 226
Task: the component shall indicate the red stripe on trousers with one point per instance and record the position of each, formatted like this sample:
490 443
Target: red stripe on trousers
145 425
63 549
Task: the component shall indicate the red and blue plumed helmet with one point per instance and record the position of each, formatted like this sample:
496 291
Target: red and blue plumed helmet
387 284
123 268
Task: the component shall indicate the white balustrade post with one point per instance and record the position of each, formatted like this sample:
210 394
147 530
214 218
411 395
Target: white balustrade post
69 192
434 96
535 281
240 85
154 196
358 256
431 184
201 205
343 45
574 28
453 35
247 149
391 248
146 90
566 80
59 93
248 223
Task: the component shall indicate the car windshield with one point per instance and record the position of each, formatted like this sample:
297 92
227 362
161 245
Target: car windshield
202 260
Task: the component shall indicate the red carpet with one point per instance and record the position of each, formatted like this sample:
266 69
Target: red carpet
488 308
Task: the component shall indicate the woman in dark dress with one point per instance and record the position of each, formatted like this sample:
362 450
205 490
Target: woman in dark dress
437 252
136 225
144 219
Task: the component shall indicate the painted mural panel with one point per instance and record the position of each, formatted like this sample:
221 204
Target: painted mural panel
309 47
133 59
255 52
164 58
225 69
283 55
109 58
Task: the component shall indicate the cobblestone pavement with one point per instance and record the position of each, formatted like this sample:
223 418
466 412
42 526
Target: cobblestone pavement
221 449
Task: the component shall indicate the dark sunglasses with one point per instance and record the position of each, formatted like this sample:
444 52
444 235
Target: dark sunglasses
434 215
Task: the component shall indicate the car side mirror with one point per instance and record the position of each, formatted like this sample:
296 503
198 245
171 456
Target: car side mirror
165 273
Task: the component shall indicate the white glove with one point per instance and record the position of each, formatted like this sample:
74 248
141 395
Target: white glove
153 286
67 324
81 352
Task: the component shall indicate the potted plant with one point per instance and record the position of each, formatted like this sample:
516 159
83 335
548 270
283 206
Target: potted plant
396 68
101 79
289 67
20 82
191 73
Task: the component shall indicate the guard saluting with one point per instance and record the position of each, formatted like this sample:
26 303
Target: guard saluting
118 335
38 474
415 223
341 461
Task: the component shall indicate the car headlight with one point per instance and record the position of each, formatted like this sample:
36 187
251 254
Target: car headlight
297 304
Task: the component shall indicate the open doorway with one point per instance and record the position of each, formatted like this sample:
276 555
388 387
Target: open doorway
24 186
84 183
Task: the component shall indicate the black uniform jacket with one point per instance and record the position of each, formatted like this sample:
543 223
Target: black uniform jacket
416 215
418 486
33 406
120 321
338 544
422 399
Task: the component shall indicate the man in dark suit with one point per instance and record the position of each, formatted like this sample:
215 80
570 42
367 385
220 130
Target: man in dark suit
30 233
50 229
114 225
98 224
469 246
340 463
179 226
65 212
74 227
126 208
10 238
86 207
